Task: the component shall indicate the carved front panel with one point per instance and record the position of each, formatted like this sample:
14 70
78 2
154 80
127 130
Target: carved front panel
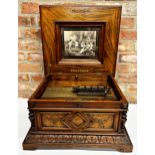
102 121
79 121
52 119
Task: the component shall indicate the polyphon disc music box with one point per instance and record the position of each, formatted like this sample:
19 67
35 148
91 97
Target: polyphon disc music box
79 104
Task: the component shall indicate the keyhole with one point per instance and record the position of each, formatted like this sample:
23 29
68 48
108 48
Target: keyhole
76 78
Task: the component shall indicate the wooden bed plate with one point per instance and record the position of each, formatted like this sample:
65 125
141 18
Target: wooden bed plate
68 121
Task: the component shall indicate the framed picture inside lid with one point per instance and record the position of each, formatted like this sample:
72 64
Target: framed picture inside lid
80 40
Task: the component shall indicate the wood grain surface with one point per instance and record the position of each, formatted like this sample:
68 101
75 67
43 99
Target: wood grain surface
60 119
109 15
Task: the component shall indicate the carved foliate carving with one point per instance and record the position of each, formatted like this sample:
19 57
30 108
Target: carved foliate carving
121 142
77 139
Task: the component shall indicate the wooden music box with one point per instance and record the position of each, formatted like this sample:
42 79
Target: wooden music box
79 104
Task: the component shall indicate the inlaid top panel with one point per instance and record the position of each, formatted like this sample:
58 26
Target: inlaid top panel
80 36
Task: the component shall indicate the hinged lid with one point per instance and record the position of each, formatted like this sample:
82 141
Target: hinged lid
80 38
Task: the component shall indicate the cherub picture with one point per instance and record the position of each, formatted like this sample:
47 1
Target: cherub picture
80 44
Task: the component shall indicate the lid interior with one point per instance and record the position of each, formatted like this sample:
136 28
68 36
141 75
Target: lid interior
80 38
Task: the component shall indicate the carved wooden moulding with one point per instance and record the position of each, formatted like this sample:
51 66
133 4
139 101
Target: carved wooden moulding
79 104
61 141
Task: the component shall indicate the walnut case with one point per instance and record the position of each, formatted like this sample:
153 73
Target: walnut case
59 118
